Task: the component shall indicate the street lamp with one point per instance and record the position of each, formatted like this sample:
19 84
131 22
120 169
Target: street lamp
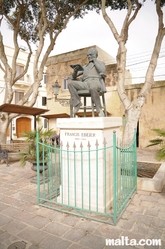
56 87
63 101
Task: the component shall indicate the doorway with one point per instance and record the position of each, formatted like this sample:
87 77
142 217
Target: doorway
137 135
22 124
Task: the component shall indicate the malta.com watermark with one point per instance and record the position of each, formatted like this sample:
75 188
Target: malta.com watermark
125 241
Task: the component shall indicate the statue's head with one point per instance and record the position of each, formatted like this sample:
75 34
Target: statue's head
92 53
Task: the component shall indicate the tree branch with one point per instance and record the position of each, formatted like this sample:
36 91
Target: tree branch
8 72
149 79
53 36
109 21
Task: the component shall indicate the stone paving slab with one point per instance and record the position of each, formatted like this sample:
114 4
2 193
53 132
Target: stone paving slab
21 219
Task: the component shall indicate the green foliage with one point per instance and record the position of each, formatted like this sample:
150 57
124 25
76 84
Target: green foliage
30 153
30 16
160 154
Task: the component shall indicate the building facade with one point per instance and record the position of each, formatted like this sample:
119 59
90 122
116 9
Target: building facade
22 122
58 68
153 112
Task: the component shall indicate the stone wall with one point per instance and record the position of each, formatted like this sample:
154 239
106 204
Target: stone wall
153 111
58 67
153 114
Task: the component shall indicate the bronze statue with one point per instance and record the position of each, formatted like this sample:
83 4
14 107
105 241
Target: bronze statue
92 80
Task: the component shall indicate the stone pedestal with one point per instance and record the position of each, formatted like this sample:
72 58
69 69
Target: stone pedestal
87 168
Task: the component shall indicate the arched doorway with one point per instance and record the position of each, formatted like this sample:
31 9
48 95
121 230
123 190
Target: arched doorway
22 124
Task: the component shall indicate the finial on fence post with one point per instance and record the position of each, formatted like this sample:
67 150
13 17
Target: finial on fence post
104 142
97 144
81 145
67 146
88 145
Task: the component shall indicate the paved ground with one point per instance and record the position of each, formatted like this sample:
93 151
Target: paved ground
21 219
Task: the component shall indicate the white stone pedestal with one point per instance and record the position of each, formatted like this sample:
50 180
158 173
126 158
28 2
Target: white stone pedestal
86 168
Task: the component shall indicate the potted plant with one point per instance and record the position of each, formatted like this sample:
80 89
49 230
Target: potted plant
30 153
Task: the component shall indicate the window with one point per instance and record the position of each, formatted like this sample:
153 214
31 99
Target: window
44 78
19 70
44 101
65 84
18 96
45 123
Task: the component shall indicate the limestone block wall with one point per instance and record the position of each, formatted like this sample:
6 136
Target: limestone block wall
113 102
153 111
153 114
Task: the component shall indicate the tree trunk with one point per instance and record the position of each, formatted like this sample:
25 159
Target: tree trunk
132 116
4 123
41 25
133 109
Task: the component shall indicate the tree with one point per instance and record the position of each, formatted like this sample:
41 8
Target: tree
32 20
133 108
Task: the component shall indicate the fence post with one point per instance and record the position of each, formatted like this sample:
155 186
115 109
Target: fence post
135 161
114 178
120 182
38 170
105 176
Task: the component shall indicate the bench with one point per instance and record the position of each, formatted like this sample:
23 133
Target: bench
15 147
4 155
7 149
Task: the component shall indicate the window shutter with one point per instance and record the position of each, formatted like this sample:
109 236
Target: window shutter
44 101
45 123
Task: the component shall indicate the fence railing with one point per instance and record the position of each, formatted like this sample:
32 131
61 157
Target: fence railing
95 184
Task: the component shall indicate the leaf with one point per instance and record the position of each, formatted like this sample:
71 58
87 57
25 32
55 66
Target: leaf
160 154
159 132
154 142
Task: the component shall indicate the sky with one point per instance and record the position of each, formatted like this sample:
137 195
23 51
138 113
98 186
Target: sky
93 30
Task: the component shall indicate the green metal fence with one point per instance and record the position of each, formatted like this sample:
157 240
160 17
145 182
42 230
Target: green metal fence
95 184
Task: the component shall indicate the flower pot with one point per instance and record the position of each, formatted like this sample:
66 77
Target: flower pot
34 166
